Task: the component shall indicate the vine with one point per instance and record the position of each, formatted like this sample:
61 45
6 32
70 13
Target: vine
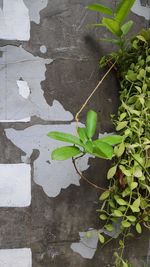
126 201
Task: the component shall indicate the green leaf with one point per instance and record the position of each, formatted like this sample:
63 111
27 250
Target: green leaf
113 41
65 137
100 8
121 202
120 150
117 213
65 152
126 27
135 205
133 185
82 134
88 147
121 125
141 38
101 238
103 217
126 224
111 172
138 228
131 218
110 139
103 150
109 227
123 9
91 122
112 25
104 195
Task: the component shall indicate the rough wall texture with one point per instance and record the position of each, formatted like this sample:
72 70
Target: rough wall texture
48 65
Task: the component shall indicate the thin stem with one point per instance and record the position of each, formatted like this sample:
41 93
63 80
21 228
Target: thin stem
83 177
93 92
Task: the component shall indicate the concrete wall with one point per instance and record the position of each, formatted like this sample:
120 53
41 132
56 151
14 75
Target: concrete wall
48 65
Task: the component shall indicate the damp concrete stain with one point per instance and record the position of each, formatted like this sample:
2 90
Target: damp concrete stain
14 20
58 174
15 63
87 245
140 10
34 8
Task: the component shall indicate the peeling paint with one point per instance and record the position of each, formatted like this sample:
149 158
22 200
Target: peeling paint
51 175
34 8
15 185
15 257
43 49
140 10
14 21
87 245
24 90
15 63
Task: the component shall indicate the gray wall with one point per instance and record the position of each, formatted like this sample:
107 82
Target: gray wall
49 52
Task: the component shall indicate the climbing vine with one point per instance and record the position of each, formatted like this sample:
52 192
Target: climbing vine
126 201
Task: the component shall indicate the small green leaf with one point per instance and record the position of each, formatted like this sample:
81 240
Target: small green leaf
138 172
126 27
135 205
65 137
117 213
65 152
103 217
112 25
138 228
100 8
126 224
141 38
104 195
91 122
119 150
131 218
109 227
133 185
82 134
101 238
110 139
121 125
121 202
123 9
111 172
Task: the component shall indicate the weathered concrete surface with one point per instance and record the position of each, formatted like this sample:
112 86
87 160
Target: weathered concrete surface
50 225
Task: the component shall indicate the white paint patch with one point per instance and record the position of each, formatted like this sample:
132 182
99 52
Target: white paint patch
43 49
14 21
15 185
24 90
34 8
15 63
16 257
141 10
51 175
87 245
20 120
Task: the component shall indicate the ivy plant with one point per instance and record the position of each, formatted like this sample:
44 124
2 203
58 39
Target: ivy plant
126 201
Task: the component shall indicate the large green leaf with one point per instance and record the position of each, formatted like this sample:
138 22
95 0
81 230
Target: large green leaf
100 8
91 122
103 150
112 25
123 9
110 139
65 152
65 137
82 134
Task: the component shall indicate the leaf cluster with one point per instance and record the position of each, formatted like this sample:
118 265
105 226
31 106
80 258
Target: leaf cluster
84 142
115 22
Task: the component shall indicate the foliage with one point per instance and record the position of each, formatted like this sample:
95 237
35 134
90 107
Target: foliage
127 198
101 148
115 24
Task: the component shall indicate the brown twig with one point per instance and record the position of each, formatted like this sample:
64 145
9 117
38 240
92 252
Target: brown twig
93 92
83 177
